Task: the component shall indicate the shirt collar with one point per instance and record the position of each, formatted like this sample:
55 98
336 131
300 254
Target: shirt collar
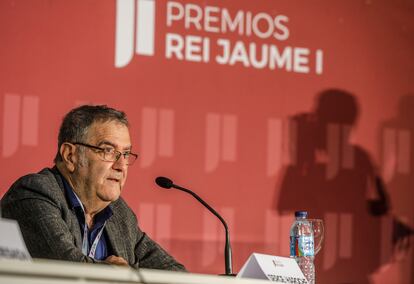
73 201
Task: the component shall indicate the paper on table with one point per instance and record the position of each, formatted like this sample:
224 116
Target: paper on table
274 268
12 245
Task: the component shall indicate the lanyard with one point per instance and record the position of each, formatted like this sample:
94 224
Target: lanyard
85 243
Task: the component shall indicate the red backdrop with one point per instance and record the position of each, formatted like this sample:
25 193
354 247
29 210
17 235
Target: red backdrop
312 109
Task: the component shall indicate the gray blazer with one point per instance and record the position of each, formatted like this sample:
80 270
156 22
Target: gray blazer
51 230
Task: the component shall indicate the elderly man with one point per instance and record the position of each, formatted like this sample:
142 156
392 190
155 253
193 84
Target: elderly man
73 211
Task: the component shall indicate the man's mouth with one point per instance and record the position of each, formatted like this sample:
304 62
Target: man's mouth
114 179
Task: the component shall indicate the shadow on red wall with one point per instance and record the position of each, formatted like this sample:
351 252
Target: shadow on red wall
397 157
337 181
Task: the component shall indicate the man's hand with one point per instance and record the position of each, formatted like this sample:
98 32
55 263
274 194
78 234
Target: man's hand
116 260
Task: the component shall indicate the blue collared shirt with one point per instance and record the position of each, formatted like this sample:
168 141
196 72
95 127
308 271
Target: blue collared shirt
102 249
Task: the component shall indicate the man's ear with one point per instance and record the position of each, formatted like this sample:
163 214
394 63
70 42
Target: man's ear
69 156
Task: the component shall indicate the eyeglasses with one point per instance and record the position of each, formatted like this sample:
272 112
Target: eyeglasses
109 154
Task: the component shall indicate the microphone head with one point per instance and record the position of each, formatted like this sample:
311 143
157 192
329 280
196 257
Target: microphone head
164 182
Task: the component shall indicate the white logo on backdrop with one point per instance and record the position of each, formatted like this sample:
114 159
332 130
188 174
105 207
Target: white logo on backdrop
20 123
221 140
134 32
261 41
157 134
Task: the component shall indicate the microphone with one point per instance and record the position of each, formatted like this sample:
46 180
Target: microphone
167 183
164 182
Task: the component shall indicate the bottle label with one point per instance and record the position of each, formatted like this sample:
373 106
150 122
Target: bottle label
301 246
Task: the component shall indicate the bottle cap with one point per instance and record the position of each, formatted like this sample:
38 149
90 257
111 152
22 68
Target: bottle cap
301 214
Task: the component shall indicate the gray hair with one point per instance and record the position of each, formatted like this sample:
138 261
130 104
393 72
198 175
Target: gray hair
76 123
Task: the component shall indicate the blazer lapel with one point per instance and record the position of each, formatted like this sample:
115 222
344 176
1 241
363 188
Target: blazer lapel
76 230
116 240
73 222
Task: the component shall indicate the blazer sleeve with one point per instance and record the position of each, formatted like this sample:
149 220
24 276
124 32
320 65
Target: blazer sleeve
44 221
151 255
146 253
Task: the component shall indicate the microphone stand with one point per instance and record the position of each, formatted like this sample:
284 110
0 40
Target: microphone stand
227 248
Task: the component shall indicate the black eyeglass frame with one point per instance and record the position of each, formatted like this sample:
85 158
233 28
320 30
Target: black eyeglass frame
118 155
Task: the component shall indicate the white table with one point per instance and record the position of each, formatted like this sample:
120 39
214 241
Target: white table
60 272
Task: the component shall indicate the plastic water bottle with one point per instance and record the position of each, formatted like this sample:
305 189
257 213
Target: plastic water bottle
302 245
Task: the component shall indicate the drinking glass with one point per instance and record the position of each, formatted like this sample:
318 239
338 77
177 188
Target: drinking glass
318 233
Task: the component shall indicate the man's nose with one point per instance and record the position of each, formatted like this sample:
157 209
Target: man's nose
121 164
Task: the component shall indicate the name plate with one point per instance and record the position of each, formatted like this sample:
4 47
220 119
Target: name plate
12 245
274 268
